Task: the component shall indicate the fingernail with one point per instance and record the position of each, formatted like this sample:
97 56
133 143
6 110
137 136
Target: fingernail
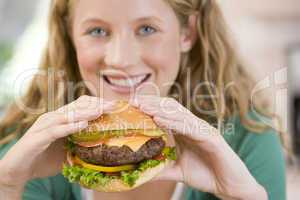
105 105
133 102
110 103
83 124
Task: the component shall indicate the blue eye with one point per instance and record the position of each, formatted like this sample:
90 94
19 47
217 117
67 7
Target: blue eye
146 30
98 32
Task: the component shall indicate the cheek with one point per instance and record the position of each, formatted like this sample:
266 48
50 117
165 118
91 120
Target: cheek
164 57
88 56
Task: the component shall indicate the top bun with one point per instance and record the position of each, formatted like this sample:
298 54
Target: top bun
122 117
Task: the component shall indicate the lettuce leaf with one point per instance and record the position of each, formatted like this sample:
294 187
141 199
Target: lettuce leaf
92 178
69 145
148 164
88 177
131 176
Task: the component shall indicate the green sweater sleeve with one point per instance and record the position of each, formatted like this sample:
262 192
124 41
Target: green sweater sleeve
262 154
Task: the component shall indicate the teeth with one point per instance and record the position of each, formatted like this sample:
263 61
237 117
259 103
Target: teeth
127 82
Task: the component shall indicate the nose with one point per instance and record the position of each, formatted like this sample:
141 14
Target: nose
121 51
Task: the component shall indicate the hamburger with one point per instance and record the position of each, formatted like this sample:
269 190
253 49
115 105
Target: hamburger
118 151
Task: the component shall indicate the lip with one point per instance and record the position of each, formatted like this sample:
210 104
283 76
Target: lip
125 89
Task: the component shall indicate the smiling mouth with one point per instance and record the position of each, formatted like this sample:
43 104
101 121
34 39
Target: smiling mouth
126 82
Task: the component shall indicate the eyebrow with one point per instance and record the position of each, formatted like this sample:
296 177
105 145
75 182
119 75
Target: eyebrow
143 19
148 18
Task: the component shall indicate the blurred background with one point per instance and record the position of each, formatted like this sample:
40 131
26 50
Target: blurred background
267 34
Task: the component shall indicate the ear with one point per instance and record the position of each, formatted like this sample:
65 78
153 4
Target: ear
189 34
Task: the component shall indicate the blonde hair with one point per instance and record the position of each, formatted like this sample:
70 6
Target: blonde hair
211 60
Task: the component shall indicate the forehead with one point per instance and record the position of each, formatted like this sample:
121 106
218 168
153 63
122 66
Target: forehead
121 9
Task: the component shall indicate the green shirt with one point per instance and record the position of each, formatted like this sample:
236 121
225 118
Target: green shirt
262 154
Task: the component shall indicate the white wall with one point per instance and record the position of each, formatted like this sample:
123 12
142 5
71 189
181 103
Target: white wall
265 31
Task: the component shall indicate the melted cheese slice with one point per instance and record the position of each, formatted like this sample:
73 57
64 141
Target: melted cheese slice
133 142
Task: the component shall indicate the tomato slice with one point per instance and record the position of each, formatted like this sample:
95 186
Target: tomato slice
100 168
91 143
160 157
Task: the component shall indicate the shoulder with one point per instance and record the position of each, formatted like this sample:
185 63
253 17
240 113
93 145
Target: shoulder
245 142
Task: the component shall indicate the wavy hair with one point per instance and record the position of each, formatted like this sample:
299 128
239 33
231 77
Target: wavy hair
212 61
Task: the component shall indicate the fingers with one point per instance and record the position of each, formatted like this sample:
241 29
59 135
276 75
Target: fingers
31 145
87 104
60 131
163 107
163 113
138 99
84 102
142 100
66 115
39 141
64 121
83 114
49 120
171 115
194 130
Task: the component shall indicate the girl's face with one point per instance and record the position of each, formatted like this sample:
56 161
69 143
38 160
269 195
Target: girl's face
127 47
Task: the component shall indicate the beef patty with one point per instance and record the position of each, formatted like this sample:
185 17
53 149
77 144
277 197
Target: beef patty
114 156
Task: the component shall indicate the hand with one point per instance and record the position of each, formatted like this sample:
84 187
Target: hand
206 162
40 152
